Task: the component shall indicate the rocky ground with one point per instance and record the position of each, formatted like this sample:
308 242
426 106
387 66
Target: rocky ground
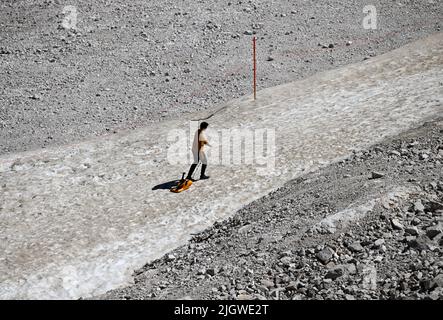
127 63
368 227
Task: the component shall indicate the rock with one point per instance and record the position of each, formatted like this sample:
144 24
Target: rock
436 294
378 243
404 286
245 229
355 247
348 43
413 231
268 284
437 282
425 284
270 58
433 231
211 271
350 268
249 272
293 285
275 293
396 224
378 259
434 206
286 253
201 271
376 175
420 243
331 45
248 32
438 213
418 206
395 153
286 260
170 257
325 255
244 296
262 288
335 273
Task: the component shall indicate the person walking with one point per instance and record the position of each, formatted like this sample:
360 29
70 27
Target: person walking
198 151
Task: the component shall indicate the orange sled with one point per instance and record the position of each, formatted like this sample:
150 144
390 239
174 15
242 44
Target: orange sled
182 185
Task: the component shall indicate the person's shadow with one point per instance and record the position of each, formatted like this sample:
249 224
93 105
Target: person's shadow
166 185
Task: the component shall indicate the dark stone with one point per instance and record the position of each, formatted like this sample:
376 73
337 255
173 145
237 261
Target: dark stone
419 243
325 255
335 273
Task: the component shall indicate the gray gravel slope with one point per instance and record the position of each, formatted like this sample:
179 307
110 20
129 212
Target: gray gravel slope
129 63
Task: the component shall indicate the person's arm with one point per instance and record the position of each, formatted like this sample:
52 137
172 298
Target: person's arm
203 140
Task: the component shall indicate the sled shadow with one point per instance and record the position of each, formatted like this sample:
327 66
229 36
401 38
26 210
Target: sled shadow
166 185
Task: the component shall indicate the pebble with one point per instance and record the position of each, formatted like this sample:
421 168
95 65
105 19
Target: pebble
356 247
376 175
378 243
418 206
335 273
412 231
437 282
267 283
396 224
211 271
433 231
325 255
170 257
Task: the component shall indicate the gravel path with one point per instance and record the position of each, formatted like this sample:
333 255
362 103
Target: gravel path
368 227
130 63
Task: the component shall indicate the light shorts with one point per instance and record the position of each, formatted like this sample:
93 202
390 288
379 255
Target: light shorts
202 157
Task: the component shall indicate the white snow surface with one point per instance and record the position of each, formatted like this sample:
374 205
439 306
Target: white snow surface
77 220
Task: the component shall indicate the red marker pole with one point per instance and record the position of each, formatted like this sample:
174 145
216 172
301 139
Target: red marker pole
255 66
